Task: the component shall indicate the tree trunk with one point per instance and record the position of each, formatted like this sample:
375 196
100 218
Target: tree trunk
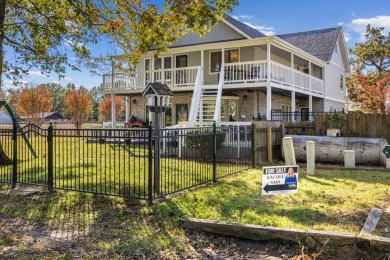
4 159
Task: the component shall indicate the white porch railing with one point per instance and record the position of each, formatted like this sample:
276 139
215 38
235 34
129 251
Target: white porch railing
234 73
281 73
139 79
317 85
245 72
301 80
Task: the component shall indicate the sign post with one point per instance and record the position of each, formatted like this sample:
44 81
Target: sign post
280 180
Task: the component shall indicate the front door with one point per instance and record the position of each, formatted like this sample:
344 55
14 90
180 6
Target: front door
181 112
181 75
304 114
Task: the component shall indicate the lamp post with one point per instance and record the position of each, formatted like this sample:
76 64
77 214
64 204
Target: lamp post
157 100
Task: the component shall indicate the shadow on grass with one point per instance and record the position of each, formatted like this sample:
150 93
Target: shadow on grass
110 227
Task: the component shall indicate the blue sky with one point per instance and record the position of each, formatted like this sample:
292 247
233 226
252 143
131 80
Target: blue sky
270 17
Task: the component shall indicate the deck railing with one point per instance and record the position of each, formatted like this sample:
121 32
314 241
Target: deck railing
234 73
139 79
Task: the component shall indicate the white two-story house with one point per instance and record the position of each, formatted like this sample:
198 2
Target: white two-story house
236 73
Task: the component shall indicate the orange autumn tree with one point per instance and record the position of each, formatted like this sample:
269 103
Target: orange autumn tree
33 101
105 108
78 106
371 92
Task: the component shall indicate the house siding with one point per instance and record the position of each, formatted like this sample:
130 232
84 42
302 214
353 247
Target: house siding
218 33
261 54
332 81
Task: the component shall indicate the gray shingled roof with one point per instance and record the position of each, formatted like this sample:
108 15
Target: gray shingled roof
157 88
252 32
319 43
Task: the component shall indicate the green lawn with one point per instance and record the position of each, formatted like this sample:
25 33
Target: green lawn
108 227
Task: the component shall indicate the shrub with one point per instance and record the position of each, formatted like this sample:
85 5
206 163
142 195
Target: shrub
202 141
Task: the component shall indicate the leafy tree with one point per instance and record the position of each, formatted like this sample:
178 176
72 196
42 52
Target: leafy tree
58 93
373 55
97 98
12 98
369 83
105 108
33 101
78 106
371 92
49 35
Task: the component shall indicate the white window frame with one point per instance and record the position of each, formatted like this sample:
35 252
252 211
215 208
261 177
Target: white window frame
230 49
342 82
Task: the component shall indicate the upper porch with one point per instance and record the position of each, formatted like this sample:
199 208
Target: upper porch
246 64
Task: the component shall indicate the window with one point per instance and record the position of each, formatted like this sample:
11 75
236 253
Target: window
231 56
216 59
341 82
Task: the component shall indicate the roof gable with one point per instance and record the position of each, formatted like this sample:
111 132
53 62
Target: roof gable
157 88
244 28
228 29
319 43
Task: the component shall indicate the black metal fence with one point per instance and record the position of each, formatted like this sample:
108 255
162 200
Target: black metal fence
303 116
141 163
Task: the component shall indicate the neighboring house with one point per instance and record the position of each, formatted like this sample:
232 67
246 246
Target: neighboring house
44 117
236 73
5 118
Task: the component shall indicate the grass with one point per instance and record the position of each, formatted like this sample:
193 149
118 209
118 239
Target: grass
113 227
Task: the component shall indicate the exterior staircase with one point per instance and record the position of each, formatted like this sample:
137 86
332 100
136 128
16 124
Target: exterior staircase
206 101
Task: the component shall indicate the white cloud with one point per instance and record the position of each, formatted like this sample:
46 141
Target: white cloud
36 74
347 37
267 30
236 17
340 23
71 43
69 79
359 25
246 16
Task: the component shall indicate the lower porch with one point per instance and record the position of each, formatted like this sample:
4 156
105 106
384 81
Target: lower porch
244 105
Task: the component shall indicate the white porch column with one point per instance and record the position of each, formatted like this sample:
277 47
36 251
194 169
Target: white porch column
127 107
310 106
293 106
152 68
269 90
202 66
310 75
293 69
113 110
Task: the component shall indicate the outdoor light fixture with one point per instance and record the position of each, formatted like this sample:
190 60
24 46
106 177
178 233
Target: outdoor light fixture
244 98
134 101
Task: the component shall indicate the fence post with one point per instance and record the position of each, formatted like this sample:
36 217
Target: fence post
214 153
50 182
269 144
253 146
150 166
15 154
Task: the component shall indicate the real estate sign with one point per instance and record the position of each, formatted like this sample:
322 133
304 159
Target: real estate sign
280 180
